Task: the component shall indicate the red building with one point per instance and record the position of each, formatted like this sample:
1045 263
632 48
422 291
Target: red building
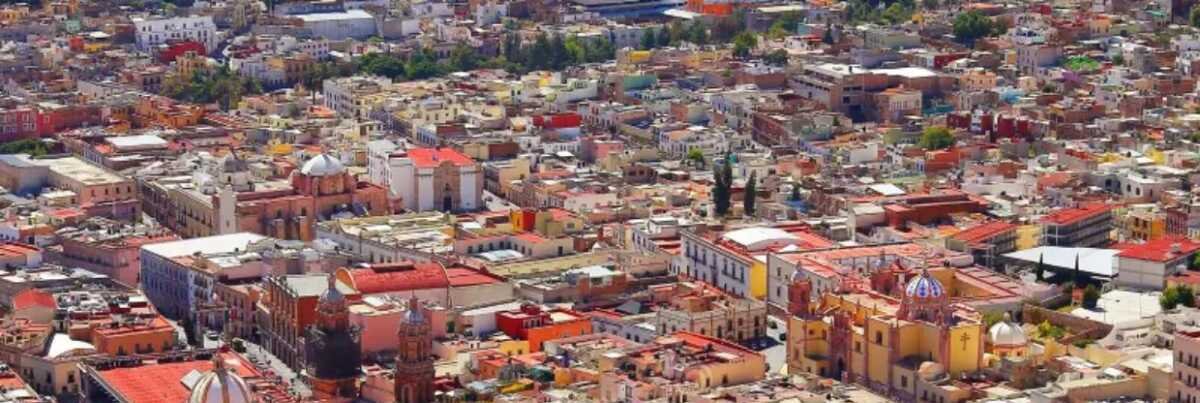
536 325
173 50
17 121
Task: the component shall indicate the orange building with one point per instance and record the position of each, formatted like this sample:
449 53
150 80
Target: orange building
154 110
535 325
133 335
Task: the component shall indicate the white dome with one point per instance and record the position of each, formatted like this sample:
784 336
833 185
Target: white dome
322 165
221 386
1006 333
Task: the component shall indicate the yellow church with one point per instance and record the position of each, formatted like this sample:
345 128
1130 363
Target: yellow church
904 341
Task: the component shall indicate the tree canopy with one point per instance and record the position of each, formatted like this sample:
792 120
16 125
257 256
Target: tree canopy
936 138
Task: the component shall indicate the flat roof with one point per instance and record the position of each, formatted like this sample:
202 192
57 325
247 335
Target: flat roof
345 15
206 245
1101 262
141 140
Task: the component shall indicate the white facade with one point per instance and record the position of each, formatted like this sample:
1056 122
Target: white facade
151 33
357 24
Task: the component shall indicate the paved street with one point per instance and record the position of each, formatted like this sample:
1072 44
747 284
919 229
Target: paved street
776 354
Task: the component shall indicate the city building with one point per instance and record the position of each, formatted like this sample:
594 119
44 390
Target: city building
414 360
425 179
287 308
153 32
333 347
536 325
1087 226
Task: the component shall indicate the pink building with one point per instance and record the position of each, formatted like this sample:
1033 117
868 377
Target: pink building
1185 387
378 320
108 249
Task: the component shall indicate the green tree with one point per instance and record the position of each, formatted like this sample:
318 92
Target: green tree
896 14
559 58
936 138
381 64
1194 16
663 38
971 26
1185 296
743 43
992 318
1091 296
1118 60
1046 330
697 33
722 186
1169 298
750 194
463 58
696 157
33 147
1041 268
648 39
778 57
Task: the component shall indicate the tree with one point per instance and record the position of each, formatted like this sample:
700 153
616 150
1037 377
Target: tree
1041 268
1091 295
1046 330
750 194
896 13
1195 263
1169 298
778 57
795 193
663 38
972 25
1194 16
697 33
992 318
936 138
463 58
33 147
722 186
1186 296
743 43
648 39
381 64
696 157
1118 60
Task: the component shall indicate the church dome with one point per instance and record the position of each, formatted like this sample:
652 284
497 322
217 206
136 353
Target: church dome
924 286
798 275
221 386
333 298
322 165
1007 333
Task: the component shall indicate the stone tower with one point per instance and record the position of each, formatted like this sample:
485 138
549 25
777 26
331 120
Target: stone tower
414 360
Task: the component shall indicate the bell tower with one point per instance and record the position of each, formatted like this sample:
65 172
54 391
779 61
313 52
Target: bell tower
414 359
333 348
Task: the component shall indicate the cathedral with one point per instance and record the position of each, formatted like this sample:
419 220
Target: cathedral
414 359
333 348
899 335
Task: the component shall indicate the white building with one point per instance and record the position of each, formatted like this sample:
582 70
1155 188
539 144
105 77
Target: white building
151 33
427 179
357 24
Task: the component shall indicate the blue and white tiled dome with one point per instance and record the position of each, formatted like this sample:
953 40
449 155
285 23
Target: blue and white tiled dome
924 286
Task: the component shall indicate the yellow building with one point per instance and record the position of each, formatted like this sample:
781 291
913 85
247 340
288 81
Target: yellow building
1145 225
902 346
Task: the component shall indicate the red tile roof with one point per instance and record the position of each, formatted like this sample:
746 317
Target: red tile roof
983 231
160 382
465 277
394 277
18 249
1160 250
1072 215
432 157
33 297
